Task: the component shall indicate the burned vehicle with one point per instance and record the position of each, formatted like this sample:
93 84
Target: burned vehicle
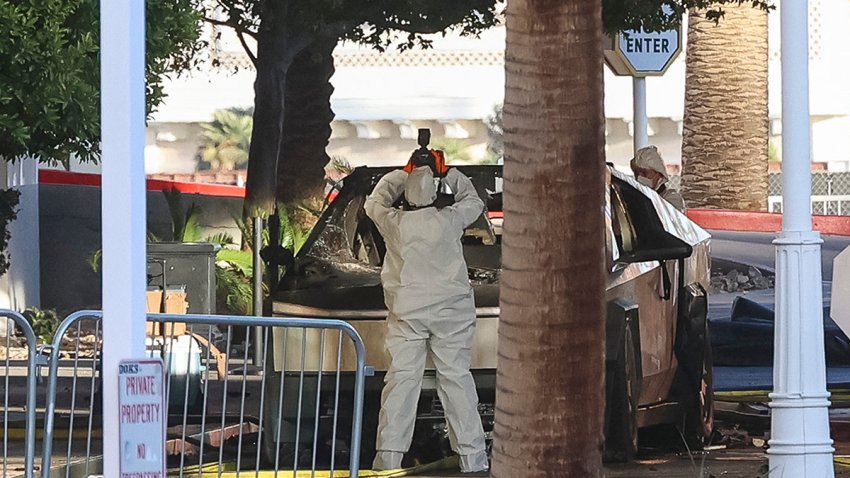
658 357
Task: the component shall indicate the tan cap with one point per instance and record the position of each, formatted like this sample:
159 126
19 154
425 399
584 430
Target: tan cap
648 158
419 188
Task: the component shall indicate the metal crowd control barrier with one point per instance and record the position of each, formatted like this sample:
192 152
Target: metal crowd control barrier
29 408
231 419
81 399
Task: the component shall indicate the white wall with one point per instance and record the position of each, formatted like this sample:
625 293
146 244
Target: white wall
831 139
19 287
462 78
172 148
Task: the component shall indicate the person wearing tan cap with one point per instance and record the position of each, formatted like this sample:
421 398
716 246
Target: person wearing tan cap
650 171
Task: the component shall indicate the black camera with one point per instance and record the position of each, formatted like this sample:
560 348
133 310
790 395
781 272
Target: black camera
423 156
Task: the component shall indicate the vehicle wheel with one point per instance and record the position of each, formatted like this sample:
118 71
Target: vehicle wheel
623 390
699 411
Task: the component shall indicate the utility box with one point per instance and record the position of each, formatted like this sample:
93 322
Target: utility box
176 267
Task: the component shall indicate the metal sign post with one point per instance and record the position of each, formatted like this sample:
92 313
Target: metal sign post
640 130
800 445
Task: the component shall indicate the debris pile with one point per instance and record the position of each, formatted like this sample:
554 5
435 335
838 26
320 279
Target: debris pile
13 348
737 280
480 276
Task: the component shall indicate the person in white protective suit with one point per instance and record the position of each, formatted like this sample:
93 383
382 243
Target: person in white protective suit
431 307
650 171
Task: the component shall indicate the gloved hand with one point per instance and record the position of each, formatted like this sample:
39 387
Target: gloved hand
390 188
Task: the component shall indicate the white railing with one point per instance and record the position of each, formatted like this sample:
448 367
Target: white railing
824 205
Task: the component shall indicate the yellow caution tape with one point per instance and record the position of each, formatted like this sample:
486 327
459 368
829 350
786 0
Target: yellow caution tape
287 474
748 396
228 470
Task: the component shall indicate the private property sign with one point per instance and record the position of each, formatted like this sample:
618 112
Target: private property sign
142 418
640 53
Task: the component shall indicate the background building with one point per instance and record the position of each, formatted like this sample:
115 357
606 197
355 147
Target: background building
380 99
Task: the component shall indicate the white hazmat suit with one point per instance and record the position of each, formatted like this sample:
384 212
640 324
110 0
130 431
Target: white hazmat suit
431 307
649 158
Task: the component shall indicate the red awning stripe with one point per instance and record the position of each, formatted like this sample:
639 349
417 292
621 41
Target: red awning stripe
53 176
717 219
726 220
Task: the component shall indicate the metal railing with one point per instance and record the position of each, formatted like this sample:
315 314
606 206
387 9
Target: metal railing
827 205
29 410
222 418
824 183
830 192
80 398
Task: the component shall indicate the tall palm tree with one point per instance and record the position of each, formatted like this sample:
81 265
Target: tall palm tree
725 133
549 405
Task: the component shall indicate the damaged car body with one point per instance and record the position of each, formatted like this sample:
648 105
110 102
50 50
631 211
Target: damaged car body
658 358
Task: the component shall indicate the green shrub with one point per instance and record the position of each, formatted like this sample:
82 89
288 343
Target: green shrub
43 322
8 212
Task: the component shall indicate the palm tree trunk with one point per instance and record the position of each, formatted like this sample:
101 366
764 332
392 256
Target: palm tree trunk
306 124
550 396
725 133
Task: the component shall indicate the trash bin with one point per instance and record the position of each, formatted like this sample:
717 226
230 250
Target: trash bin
190 266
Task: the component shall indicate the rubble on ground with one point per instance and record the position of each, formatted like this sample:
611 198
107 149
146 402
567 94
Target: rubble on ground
479 276
740 279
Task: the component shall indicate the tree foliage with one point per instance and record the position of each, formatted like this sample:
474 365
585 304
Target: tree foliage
656 15
405 23
44 323
285 30
50 72
295 42
376 23
9 199
227 138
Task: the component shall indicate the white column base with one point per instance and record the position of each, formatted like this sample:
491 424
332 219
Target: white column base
800 446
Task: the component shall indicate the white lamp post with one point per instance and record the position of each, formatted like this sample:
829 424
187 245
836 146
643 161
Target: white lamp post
122 87
800 446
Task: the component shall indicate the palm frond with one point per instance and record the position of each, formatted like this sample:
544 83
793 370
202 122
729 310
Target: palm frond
221 238
241 260
94 259
191 224
174 200
234 294
292 235
227 139
245 230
